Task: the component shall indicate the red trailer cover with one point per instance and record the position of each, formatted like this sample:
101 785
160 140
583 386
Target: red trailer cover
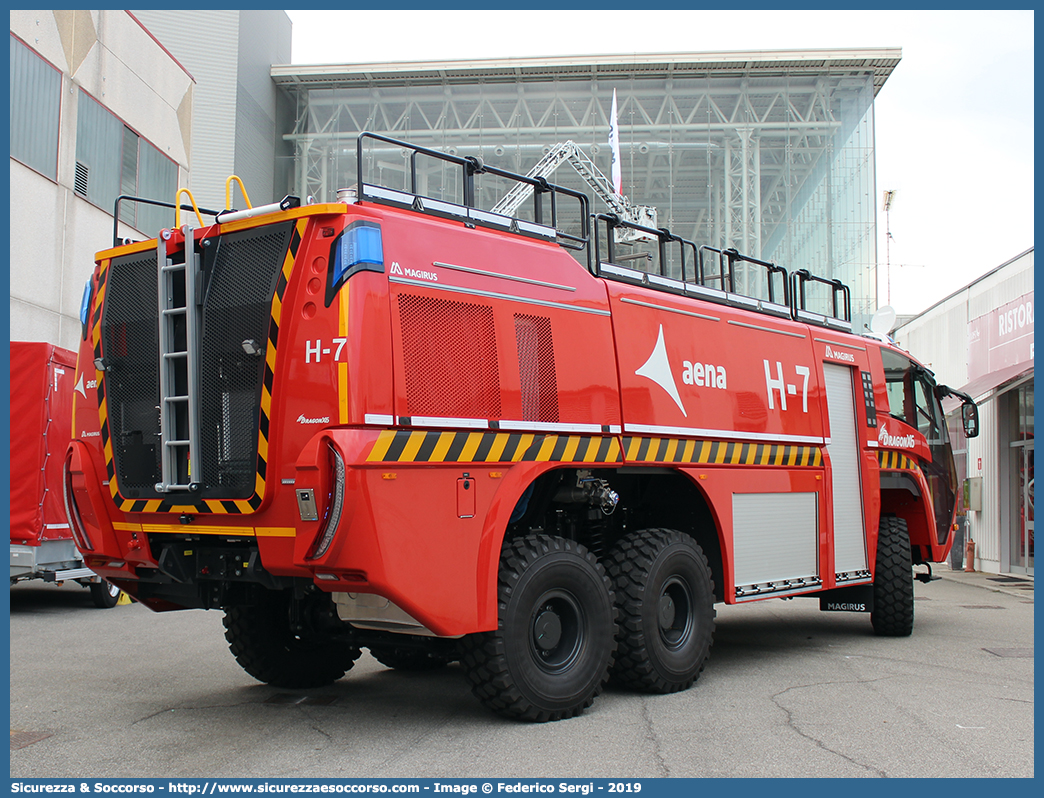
42 380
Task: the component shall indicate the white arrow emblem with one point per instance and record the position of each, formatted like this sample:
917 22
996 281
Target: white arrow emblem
658 369
79 387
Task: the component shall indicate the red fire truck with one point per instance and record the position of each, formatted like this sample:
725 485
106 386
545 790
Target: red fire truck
405 423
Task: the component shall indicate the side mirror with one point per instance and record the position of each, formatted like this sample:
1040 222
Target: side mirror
970 419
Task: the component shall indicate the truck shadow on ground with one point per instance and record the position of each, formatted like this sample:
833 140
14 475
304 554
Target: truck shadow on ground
381 693
43 598
374 696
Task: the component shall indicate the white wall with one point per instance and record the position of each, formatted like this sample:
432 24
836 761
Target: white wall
939 339
939 336
54 232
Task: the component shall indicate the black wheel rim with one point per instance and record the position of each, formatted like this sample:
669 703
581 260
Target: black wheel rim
674 613
556 631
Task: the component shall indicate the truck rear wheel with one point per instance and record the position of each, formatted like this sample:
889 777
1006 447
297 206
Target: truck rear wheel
893 613
260 638
104 594
551 653
665 600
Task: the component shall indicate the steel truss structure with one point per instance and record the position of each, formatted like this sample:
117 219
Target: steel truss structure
757 151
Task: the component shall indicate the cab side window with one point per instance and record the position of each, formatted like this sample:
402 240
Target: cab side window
926 423
899 382
911 397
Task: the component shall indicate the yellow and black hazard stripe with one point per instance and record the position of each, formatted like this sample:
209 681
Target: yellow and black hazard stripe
254 502
432 446
103 407
217 506
896 461
680 450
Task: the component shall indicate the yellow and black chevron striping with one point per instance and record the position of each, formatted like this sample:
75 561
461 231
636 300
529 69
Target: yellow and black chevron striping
679 450
896 461
429 446
217 506
270 358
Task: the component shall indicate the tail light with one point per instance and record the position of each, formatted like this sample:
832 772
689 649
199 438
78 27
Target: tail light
72 512
334 507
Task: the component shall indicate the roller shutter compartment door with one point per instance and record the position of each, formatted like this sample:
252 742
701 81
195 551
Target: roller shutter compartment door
845 477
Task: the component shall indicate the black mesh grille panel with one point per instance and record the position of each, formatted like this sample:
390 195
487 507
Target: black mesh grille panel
449 351
130 345
237 308
536 368
239 277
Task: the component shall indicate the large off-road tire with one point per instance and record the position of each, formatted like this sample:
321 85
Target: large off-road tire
407 658
665 603
893 613
104 594
553 647
260 638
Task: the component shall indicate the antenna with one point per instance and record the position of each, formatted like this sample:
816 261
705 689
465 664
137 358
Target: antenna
889 198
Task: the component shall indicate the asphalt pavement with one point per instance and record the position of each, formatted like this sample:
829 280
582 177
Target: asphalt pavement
788 691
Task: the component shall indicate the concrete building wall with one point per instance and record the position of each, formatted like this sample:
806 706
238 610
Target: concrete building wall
55 231
210 52
264 39
236 131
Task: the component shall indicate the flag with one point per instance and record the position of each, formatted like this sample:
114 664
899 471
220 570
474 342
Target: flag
614 147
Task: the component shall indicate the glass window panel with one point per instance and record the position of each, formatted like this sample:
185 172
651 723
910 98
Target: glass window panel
789 182
158 180
129 175
99 136
1026 412
35 102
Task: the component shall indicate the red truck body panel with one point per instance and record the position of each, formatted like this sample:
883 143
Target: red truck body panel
42 380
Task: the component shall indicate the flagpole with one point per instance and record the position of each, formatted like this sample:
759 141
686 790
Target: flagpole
614 148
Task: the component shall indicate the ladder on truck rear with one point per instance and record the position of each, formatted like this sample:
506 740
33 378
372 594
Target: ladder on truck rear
179 331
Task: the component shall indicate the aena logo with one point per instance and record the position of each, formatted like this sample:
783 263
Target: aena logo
658 369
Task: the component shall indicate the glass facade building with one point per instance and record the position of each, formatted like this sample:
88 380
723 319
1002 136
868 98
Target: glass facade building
770 153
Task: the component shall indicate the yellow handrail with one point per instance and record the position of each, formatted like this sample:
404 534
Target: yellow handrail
177 207
228 191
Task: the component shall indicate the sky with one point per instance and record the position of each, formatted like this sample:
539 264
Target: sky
954 121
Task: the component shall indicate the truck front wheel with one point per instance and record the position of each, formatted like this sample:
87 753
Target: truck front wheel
893 612
551 653
665 598
260 638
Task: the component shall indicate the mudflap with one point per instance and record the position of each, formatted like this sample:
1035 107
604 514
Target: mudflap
854 598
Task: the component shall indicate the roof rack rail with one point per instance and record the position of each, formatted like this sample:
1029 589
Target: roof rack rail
469 167
116 241
727 258
841 317
663 236
793 285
